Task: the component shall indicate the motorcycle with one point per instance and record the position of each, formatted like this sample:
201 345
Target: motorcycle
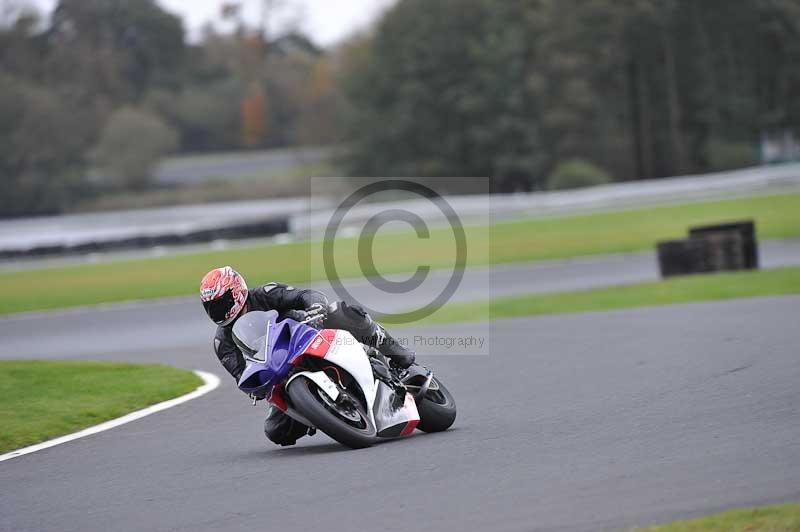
327 380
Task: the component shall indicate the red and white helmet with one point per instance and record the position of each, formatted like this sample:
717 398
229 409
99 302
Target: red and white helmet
223 293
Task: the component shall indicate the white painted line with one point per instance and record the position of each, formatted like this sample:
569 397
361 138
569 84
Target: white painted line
210 381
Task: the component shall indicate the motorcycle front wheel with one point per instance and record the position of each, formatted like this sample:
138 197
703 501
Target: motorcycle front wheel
345 421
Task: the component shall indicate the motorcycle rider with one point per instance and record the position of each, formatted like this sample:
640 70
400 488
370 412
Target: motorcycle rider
225 298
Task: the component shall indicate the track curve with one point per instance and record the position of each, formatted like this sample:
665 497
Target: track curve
580 422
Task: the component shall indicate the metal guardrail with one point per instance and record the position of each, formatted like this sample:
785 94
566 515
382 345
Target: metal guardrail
264 228
79 232
630 194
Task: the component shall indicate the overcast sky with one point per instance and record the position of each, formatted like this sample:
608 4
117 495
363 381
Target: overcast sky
326 21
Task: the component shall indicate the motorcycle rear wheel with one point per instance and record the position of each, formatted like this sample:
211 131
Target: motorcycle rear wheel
350 426
437 408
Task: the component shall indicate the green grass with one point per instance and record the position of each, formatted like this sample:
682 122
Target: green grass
777 518
710 287
40 400
528 240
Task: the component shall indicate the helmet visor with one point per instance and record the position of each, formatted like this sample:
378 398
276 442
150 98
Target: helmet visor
218 309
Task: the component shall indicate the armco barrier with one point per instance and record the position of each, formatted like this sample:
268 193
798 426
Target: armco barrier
264 228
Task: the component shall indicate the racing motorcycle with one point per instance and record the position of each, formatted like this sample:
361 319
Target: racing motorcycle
327 380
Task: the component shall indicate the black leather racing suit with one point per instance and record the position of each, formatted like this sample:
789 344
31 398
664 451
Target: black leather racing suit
282 298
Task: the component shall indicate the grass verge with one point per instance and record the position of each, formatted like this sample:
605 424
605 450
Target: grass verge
40 400
710 287
528 240
777 518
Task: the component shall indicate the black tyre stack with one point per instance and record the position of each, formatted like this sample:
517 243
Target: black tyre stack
710 248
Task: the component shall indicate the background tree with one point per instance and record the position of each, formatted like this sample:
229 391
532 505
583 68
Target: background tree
114 49
631 88
109 83
446 94
131 144
41 149
254 110
639 88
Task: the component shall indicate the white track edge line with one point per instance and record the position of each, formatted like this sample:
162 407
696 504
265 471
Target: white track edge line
210 382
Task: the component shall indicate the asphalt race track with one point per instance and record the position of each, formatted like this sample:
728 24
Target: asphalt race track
143 331
577 422
582 422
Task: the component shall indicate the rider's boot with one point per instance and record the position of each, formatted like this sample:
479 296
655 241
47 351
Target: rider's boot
400 355
282 429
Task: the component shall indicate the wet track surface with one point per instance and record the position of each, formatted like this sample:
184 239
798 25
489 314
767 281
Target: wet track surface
595 421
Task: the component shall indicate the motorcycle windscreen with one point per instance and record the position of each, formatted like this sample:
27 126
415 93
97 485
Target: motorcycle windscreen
392 422
269 348
250 333
250 336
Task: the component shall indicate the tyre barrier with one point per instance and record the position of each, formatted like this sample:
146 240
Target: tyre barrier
728 246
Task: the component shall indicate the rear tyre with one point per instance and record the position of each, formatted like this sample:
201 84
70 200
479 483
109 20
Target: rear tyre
348 424
437 409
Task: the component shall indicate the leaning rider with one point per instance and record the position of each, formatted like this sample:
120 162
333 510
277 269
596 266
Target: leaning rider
225 298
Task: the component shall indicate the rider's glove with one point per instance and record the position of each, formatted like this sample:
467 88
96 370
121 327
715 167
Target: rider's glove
296 315
317 310
313 315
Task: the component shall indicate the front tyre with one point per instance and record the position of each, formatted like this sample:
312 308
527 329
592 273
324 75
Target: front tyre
437 408
346 422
